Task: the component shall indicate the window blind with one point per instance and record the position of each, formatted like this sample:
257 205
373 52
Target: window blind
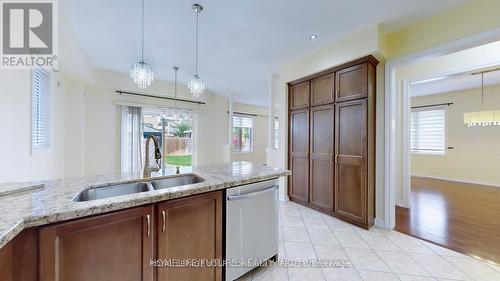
428 131
40 114
242 121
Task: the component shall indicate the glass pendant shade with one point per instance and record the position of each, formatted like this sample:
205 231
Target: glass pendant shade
482 118
196 86
142 74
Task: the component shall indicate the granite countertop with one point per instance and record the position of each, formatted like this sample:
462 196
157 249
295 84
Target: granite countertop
52 201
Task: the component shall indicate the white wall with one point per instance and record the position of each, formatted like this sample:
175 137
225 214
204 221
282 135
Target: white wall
476 152
363 43
260 133
101 120
18 161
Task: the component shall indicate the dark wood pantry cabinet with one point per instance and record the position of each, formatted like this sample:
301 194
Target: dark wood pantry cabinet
332 141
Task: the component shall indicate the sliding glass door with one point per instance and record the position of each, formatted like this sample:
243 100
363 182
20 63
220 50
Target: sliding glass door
174 132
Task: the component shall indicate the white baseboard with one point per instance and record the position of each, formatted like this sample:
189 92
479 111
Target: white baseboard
380 223
284 198
402 204
478 182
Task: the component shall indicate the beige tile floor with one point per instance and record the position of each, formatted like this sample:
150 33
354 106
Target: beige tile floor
375 255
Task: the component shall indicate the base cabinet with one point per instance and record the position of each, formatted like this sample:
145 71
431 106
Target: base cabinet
19 258
123 245
116 246
190 229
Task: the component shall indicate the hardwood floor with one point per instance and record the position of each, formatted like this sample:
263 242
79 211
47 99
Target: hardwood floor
459 216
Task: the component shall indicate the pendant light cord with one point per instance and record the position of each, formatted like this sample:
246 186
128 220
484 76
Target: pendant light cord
175 87
196 44
142 31
482 91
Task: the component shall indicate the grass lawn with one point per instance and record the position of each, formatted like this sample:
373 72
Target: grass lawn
179 160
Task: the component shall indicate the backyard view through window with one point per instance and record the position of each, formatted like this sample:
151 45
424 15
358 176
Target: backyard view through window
242 133
174 133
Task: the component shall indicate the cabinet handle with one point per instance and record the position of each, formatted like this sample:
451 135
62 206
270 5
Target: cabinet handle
163 227
336 158
307 155
148 218
307 100
331 157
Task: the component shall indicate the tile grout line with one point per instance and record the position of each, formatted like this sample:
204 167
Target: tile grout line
314 249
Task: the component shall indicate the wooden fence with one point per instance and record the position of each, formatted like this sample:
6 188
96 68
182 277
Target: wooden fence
177 146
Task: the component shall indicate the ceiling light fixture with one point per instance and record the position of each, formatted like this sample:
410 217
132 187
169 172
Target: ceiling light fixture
482 118
141 72
313 37
195 84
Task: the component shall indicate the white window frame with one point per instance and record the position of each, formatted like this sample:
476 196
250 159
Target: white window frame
46 126
252 137
445 128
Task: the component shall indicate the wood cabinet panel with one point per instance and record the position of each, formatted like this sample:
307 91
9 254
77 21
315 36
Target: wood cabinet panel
115 246
352 83
299 155
299 95
351 172
322 152
345 185
19 258
322 90
190 228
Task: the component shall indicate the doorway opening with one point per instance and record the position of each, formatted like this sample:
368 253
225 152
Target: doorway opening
449 185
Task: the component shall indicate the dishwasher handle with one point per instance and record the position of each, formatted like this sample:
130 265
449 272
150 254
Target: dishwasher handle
252 194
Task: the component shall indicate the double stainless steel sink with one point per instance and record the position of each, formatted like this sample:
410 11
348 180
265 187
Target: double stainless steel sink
112 190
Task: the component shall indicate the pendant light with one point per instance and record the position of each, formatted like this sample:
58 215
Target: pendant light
195 84
482 118
141 72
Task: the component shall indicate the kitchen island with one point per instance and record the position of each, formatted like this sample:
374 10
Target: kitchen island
50 225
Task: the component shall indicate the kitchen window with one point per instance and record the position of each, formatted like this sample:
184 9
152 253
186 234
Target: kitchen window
428 131
242 134
40 109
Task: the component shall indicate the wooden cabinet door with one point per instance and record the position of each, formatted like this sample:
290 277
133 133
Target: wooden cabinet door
322 154
116 246
322 90
19 258
299 155
190 229
351 171
351 83
299 95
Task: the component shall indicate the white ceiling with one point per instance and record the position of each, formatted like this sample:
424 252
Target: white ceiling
454 83
241 42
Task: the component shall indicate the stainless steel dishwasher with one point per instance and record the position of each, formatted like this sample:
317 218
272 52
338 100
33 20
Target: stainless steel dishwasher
251 226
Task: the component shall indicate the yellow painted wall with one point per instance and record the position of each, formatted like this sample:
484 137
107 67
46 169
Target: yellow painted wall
466 20
476 152
451 25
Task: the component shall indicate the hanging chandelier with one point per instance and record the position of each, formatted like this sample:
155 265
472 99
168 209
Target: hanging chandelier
141 72
195 84
482 118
